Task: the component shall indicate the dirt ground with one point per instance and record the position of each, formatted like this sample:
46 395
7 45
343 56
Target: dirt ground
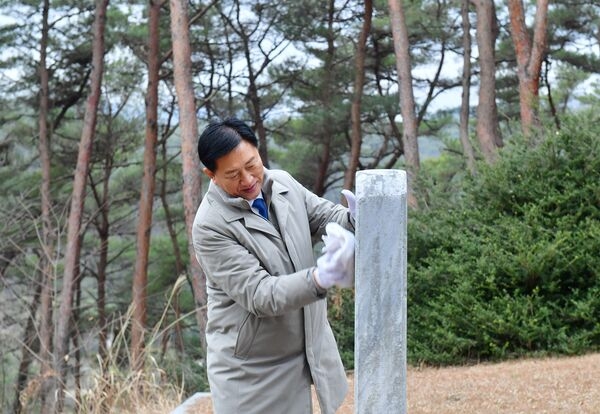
552 385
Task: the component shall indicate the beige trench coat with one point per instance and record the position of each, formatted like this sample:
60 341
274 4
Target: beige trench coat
267 333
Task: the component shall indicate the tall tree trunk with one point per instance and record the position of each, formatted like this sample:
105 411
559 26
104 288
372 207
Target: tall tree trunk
30 346
326 129
102 224
140 275
407 100
530 55
255 110
47 257
394 132
192 184
73 247
179 269
465 105
75 337
488 130
103 235
550 99
103 228
359 82
324 159
252 97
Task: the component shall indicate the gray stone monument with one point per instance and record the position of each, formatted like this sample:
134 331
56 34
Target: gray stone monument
380 303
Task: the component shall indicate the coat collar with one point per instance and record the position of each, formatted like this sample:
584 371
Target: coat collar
238 208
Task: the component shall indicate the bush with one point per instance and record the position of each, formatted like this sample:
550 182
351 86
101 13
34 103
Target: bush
512 267
341 317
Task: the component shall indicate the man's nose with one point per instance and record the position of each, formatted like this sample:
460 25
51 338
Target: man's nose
245 177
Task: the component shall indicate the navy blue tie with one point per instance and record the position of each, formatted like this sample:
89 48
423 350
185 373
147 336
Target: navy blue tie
261 206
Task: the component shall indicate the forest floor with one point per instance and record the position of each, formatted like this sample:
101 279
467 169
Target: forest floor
549 385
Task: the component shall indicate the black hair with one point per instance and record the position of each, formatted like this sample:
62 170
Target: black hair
219 138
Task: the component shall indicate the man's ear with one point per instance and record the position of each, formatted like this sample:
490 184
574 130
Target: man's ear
208 173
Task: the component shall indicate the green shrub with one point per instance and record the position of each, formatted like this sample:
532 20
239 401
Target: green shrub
504 264
341 317
511 268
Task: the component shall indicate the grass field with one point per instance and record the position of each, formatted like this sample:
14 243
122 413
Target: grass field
551 385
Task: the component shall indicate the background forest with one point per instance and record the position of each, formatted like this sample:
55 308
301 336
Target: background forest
493 109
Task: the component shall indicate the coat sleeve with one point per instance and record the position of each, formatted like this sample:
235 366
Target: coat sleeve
322 211
231 267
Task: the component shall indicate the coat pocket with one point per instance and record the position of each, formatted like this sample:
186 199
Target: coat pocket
246 335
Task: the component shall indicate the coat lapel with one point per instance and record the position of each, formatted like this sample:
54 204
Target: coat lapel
237 209
255 222
281 206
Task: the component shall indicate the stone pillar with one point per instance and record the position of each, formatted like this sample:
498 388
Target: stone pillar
380 303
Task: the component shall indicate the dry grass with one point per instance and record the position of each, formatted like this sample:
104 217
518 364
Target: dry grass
128 392
112 387
552 385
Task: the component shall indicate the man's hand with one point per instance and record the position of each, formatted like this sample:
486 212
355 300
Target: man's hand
351 200
336 265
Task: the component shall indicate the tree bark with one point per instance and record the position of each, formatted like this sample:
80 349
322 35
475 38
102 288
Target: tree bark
550 98
530 55
407 100
30 346
75 337
47 279
249 38
255 110
488 130
73 247
326 130
359 82
394 133
179 268
140 275
192 185
253 100
465 105
102 224
103 235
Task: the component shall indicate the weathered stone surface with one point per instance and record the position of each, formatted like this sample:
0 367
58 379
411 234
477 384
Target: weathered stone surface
190 405
380 320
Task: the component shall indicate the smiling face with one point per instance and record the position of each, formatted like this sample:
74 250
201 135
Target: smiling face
240 172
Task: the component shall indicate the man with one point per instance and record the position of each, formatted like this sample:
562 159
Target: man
267 332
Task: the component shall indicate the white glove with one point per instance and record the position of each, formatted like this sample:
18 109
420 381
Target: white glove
351 200
336 265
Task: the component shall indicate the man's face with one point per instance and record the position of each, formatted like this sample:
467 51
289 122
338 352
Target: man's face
239 173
